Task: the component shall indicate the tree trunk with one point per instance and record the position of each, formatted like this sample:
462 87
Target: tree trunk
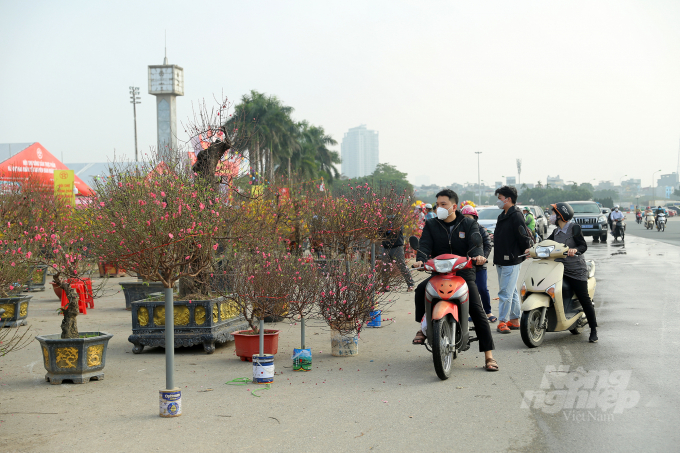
69 325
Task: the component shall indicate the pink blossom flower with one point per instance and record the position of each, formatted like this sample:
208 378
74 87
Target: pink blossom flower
171 236
215 247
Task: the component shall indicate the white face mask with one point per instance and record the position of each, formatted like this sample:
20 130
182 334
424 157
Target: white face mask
553 219
501 203
442 213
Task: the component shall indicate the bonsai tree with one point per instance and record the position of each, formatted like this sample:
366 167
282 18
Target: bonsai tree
44 230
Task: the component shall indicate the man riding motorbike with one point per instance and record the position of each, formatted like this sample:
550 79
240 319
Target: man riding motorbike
614 216
659 210
529 219
453 233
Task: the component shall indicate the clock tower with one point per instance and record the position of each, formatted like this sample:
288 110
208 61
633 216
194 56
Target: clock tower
166 82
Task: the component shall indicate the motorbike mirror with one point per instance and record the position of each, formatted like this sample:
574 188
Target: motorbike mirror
414 242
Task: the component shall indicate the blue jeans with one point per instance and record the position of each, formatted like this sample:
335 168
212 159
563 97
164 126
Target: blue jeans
480 281
509 306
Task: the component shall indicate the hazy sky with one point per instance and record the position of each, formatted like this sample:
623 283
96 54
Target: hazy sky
584 89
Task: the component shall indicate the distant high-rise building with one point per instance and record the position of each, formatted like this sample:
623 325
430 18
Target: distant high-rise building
510 181
499 184
555 182
359 152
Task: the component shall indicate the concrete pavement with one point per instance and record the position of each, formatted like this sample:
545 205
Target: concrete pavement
386 399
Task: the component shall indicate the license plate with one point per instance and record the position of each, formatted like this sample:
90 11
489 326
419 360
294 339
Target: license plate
587 226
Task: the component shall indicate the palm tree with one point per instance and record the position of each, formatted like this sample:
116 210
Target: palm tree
278 145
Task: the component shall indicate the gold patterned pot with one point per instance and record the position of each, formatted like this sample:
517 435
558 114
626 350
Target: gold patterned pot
16 310
76 359
196 322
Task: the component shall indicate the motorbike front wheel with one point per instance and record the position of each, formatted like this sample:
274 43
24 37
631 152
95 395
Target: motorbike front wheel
532 334
443 347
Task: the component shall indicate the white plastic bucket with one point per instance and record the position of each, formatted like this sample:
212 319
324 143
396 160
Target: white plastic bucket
263 368
344 344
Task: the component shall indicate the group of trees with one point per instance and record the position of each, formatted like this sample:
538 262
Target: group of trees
279 146
544 196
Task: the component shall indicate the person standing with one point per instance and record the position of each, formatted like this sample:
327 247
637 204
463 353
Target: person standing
392 250
510 242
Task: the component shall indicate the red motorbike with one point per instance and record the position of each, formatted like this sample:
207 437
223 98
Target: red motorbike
446 310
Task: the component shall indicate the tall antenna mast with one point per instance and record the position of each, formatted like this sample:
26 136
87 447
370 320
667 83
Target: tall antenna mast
165 60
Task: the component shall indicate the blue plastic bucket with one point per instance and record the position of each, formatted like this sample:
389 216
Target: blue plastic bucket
302 359
263 368
376 320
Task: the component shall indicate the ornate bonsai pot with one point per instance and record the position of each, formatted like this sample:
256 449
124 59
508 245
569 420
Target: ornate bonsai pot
16 310
196 322
76 359
135 291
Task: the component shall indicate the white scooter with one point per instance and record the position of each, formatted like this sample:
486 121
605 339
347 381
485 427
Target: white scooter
649 221
549 303
661 222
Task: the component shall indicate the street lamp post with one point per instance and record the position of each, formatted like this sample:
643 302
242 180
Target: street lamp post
479 180
134 100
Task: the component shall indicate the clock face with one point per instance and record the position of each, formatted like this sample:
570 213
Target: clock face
160 79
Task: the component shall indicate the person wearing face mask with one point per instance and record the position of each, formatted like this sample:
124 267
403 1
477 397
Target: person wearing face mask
613 217
451 232
510 241
575 268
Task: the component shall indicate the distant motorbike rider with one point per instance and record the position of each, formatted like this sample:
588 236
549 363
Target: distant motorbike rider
659 210
529 219
575 268
614 216
430 212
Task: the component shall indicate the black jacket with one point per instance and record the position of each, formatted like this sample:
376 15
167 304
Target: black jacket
392 238
486 240
437 239
509 242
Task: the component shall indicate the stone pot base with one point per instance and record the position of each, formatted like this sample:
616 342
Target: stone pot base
75 378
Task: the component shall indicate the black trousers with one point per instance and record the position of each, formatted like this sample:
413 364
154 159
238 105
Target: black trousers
479 318
580 288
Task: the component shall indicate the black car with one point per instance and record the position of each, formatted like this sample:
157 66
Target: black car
588 215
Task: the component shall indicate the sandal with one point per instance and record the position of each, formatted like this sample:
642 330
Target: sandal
420 338
491 365
492 318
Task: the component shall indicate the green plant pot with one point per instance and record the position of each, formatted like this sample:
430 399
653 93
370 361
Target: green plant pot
76 359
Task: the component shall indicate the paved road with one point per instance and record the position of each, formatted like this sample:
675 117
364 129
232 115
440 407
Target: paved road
670 236
386 399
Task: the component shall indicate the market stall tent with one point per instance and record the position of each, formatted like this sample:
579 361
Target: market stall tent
35 160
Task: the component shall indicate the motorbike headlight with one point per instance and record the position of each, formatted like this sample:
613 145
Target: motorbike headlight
544 252
443 266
